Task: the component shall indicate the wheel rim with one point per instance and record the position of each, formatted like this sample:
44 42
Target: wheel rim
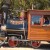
36 44
12 43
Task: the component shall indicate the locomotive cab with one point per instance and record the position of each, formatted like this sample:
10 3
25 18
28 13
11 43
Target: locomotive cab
38 26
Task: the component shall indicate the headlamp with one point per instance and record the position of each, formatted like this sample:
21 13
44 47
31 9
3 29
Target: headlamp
3 28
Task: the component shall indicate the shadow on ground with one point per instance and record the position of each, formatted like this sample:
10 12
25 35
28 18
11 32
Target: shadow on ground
43 46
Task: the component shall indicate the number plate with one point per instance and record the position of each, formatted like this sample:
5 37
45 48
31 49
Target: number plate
16 22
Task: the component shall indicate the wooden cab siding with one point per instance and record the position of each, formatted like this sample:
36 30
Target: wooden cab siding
38 32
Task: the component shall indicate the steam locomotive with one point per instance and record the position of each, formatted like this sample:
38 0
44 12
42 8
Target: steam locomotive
30 28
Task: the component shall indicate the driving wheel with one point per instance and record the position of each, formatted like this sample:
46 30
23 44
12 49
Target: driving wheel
12 42
35 44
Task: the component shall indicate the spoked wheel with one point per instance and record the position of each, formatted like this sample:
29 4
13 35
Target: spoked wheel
12 42
35 44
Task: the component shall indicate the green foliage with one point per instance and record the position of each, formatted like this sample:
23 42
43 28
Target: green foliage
27 4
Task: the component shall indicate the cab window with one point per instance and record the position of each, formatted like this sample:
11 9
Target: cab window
46 20
35 20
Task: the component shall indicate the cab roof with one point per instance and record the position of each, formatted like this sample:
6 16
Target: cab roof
39 12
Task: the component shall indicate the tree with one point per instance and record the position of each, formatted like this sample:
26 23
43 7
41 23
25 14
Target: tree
29 4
